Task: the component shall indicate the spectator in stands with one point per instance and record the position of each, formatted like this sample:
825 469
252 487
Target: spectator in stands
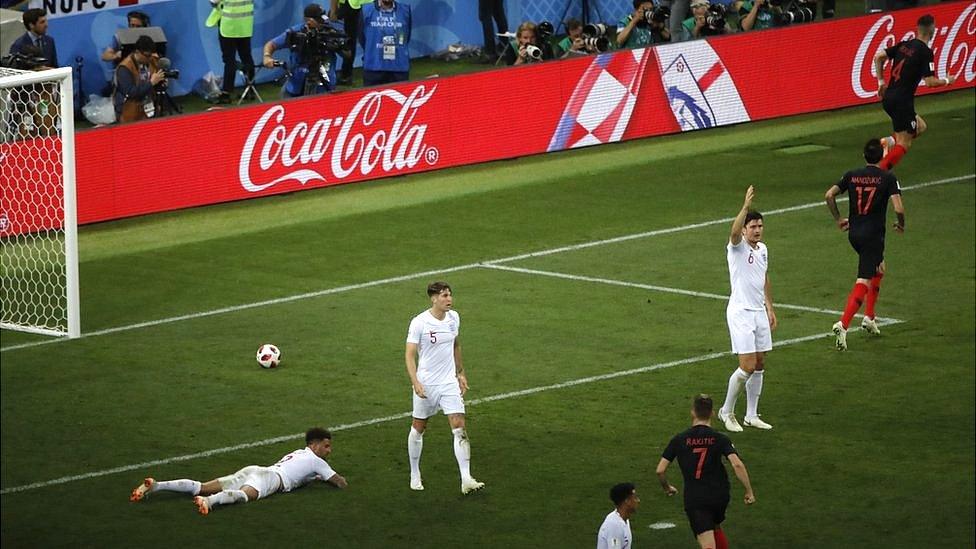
135 20
349 12
35 21
236 25
525 48
488 10
634 30
303 78
754 14
135 80
706 20
385 39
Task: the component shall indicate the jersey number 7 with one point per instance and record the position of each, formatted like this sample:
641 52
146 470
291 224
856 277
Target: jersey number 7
701 460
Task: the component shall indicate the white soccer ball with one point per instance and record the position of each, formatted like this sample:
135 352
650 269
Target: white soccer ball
268 356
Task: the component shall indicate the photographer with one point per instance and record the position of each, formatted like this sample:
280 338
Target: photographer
135 20
385 39
647 25
35 21
706 20
526 47
755 15
135 80
313 44
573 44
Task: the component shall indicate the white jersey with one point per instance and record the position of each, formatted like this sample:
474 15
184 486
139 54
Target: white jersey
747 274
435 342
301 467
615 532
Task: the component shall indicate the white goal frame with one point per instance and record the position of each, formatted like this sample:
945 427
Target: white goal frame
9 79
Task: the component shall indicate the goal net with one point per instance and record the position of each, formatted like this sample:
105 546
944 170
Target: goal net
38 227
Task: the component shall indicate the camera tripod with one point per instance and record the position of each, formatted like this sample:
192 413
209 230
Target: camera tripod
165 105
249 87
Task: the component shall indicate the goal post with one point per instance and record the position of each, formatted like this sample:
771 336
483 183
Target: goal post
38 213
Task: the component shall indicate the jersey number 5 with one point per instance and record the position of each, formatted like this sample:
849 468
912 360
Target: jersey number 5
433 337
864 206
701 460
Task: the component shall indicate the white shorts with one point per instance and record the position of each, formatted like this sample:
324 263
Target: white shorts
445 397
749 331
263 479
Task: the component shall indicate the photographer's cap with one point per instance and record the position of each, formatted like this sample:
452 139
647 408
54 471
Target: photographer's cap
315 11
697 3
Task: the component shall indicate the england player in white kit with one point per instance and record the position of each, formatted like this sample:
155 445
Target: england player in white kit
615 531
438 381
254 482
749 314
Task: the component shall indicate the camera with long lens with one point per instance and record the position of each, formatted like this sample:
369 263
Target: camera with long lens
544 31
657 14
316 47
533 52
793 12
23 62
595 37
714 20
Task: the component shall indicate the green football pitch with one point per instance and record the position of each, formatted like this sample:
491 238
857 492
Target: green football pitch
592 289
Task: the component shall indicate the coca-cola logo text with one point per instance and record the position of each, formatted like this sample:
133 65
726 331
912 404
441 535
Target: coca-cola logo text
359 146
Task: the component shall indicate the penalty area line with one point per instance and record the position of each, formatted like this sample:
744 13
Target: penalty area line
403 415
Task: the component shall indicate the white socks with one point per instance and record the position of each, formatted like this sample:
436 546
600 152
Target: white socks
753 390
462 451
227 497
183 485
415 445
736 381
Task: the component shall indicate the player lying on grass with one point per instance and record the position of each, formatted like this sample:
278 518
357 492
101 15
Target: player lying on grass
255 482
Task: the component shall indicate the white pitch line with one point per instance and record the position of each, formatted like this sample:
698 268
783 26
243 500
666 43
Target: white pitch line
665 289
341 289
402 415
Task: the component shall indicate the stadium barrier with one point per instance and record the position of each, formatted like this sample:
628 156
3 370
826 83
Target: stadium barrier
425 125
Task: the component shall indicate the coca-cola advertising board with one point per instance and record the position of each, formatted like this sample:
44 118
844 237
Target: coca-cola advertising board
430 124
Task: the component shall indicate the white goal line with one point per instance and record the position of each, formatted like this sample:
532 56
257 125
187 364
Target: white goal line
428 273
404 415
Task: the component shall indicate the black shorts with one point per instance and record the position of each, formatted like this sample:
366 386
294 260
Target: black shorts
902 113
870 251
706 516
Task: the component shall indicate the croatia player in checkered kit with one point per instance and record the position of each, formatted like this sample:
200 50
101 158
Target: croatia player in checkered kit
750 314
254 482
438 381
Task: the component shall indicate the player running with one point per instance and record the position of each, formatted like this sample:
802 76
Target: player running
870 190
254 482
911 61
699 451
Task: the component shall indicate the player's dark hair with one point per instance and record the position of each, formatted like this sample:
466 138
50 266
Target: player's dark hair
873 151
316 434
620 492
926 21
435 288
31 17
702 405
751 216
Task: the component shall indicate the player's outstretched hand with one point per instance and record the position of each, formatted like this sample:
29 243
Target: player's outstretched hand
843 224
750 498
750 194
670 490
899 227
419 389
463 382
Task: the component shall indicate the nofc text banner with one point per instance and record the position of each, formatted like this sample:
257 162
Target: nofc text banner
438 123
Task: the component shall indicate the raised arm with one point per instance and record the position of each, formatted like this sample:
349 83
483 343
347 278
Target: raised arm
736 235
